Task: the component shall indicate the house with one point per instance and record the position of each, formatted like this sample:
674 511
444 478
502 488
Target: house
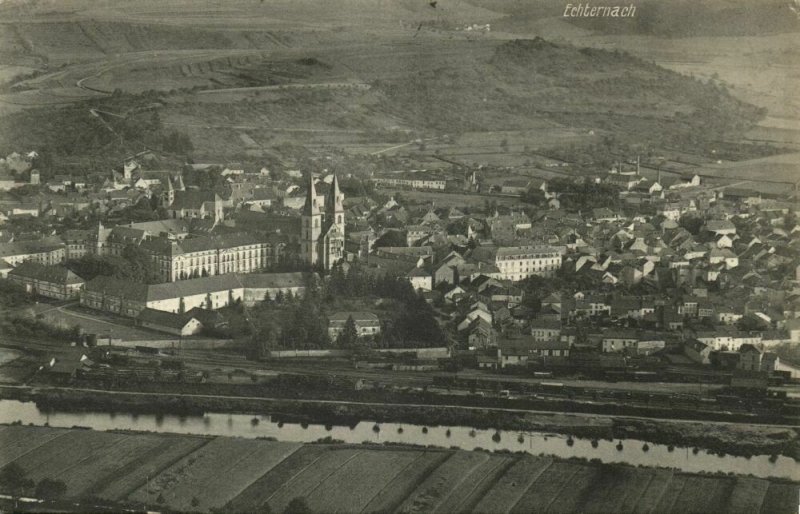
520 262
723 256
53 281
487 362
416 233
720 227
477 310
649 345
420 278
514 187
170 322
753 359
367 323
697 351
604 214
520 350
455 294
48 251
63 371
545 329
619 340
481 334
792 326
196 205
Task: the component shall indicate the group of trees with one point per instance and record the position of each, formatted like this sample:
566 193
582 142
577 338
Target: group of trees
133 264
82 130
576 196
286 321
14 480
412 324
12 295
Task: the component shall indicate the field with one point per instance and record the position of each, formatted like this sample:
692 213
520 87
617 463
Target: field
200 474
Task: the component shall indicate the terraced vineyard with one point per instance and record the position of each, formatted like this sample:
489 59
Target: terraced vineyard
201 474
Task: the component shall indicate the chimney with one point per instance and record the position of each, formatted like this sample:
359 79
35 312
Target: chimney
637 166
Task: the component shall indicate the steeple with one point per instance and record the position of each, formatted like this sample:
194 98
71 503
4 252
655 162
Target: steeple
311 207
179 183
334 201
168 195
311 227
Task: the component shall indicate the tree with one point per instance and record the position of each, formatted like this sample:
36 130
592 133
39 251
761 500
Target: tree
391 238
349 336
13 480
691 222
298 506
50 489
751 323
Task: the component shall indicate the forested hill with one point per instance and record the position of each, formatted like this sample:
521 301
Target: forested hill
526 80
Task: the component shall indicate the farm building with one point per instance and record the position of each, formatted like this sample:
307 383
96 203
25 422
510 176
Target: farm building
53 281
169 322
129 298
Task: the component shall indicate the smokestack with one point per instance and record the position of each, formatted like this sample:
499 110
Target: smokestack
637 165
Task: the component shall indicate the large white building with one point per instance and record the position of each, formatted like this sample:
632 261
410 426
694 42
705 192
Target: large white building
520 262
211 255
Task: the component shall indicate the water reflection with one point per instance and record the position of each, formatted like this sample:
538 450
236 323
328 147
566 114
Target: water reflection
241 425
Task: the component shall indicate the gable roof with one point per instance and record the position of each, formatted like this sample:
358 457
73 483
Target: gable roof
54 274
165 319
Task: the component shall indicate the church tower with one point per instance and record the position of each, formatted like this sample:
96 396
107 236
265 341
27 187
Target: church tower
311 227
334 204
168 195
179 183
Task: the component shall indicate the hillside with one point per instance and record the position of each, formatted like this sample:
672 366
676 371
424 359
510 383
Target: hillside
670 19
525 80
248 79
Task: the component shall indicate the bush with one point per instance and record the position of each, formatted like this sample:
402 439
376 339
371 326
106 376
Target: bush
298 506
50 489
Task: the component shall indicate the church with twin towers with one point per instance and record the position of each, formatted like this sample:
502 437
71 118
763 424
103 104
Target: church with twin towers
322 227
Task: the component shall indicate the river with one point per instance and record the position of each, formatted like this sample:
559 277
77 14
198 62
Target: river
632 451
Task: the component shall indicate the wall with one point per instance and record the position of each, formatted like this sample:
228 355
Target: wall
422 353
174 343
284 354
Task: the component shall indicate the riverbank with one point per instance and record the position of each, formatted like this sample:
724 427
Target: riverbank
724 438
181 473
